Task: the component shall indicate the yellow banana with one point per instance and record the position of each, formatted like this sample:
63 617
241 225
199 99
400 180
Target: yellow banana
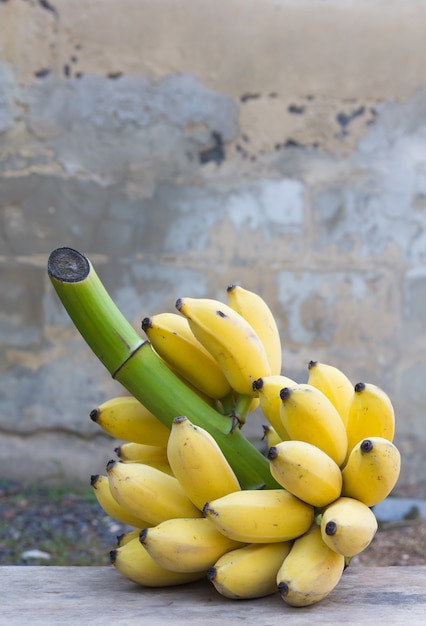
310 571
250 571
230 340
348 526
128 536
126 418
260 516
308 415
257 313
211 401
198 463
159 465
156 456
136 564
372 470
271 436
334 384
186 544
101 489
148 493
141 452
371 414
173 339
254 403
306 471
269 388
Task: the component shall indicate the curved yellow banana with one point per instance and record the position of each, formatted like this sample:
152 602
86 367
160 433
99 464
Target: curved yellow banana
250 571
230 340
142 452
136 564
124 417
156 456
271 435
253 404
101 489
372 470
269 388
186 544
198 463
308 415
258 314
260 516
348 526
371 414
310 571
128 536
147 492
200 394
334 384
306 471
173 339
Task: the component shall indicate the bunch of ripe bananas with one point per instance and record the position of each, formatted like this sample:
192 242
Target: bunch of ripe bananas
330 455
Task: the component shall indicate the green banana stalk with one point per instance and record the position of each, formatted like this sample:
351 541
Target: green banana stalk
133 363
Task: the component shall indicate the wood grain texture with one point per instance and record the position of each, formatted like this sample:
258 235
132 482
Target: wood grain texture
100 595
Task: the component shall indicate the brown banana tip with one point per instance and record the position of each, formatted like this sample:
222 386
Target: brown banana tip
117 450
206 509
110 465
211 573
312 364
330 528
113 556
180 419
119 539
231 287
272 453
146 323
143 534
94 479
178 304
285 393
359 387
283 589
257 384
94 415
367 445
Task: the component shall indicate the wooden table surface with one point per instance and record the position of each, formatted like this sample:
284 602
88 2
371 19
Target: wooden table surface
100 596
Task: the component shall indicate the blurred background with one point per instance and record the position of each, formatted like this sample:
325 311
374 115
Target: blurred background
185 145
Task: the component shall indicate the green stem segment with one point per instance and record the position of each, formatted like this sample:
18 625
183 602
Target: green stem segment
133 363
241 408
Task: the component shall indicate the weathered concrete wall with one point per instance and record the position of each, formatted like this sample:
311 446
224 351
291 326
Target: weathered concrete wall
186 145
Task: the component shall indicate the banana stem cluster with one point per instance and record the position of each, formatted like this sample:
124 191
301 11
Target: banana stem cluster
201 500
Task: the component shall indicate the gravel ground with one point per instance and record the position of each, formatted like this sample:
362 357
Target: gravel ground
51 526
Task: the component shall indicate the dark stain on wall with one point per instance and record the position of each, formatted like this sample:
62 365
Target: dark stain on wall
215 153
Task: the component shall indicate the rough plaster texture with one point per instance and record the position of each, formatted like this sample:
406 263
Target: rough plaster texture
184 146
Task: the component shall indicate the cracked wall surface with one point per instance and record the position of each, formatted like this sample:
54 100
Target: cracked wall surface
185 146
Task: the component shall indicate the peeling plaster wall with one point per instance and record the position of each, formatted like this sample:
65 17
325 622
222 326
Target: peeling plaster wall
184 146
